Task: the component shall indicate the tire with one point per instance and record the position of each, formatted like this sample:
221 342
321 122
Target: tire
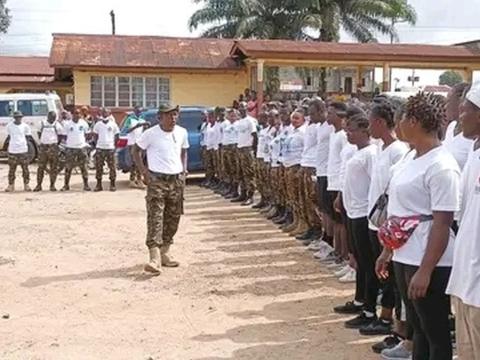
32 152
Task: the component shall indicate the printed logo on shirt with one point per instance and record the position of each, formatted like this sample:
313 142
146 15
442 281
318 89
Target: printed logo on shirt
477 186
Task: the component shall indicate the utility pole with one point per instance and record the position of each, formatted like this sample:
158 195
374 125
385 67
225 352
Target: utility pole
112 16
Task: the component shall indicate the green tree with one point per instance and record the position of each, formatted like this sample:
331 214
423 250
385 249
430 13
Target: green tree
450 78
4 16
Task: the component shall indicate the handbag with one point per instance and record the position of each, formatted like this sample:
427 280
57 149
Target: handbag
395 231
378 215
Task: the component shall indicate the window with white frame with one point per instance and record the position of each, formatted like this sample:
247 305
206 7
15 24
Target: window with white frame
126 91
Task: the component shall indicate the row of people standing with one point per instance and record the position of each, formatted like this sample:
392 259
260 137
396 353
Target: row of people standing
322 176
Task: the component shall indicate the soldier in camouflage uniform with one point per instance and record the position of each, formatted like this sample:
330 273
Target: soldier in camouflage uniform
49 136
106 134
19 134
166 147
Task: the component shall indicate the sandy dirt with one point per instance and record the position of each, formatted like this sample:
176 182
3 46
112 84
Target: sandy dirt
72 286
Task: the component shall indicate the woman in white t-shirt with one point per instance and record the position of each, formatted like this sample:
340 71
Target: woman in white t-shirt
426 184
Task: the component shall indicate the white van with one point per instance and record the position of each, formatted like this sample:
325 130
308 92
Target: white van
34 107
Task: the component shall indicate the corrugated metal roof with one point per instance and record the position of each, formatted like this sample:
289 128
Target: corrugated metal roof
311 50
78 50
15 65
26 79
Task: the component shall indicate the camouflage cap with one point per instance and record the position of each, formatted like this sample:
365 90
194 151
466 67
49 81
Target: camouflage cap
17 114
166 108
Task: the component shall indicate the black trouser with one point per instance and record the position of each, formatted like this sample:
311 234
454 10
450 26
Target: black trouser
428 316
360 274
388 286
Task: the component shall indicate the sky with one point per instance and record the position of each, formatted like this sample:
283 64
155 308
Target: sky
439 22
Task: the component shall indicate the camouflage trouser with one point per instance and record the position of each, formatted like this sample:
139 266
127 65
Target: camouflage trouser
164 208
229 163
247 170
48 156
134 171
275 185
102 156
75 158
259 176
308 197
210 164
13 161
203 156
293 188
268 181
217 163
282 185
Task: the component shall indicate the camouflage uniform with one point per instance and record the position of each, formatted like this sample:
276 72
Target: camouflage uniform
210 164
308 197
259 176
293 179
247 170
229 163
164 207
74 158
48 156
135 174
13 161
237 172
102 156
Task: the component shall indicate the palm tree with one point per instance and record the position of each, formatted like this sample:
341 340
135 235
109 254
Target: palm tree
4 16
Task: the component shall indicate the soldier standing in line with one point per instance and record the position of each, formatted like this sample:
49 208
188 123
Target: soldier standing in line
210 143
105 134
229 143
76 131
203 145
49 136
166 147
17 144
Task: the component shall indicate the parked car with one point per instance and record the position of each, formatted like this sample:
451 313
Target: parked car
190 118
34 107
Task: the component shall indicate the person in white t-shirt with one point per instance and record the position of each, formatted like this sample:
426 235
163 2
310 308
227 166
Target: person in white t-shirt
247 146
274 165
458 145
230 139
76 131
166 147
219 114
19 134
203 146
135 126
464 283
309 197
425 185
292 157
211 144
49 136
106 134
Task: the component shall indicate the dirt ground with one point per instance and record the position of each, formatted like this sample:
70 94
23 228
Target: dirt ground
72 286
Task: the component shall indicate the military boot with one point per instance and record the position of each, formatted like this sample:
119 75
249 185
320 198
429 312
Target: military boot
113 188
260 204
85 185
10 188
26 187
287 228
99 186
38 188
153 265
241 198
272 213
301 228
166 261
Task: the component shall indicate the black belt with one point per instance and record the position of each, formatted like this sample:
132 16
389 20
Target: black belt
167 177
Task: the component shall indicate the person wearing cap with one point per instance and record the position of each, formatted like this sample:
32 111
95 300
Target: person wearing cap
166 147
19 134
105 134
49 136
229 143
135 125
75 131
211 143
464 283
260 167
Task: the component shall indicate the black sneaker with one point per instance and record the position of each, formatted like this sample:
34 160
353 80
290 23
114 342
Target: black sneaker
349 308
388 343
378 327
360 321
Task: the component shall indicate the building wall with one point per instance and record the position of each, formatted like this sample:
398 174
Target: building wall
203 89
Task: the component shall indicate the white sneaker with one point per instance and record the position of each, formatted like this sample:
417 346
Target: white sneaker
331 257
322 254
399 352
349 277
336 265
315 245
343 271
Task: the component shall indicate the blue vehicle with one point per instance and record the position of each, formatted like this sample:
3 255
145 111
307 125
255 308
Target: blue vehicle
191 119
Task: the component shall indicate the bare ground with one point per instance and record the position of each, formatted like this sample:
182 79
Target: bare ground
72 286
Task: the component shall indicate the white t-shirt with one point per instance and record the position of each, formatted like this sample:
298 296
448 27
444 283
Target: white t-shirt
106 134
345 155
219 134
275 149
230 136
294 147
262 141
75 132
49 132
385 159
284 133
458 145
18 141
420 186
211 137
358 175
203 130
338 140
245 128
310 149
465 277
323 143
164 149
134 135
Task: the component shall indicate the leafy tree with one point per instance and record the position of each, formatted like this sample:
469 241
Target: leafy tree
4 16
450 78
